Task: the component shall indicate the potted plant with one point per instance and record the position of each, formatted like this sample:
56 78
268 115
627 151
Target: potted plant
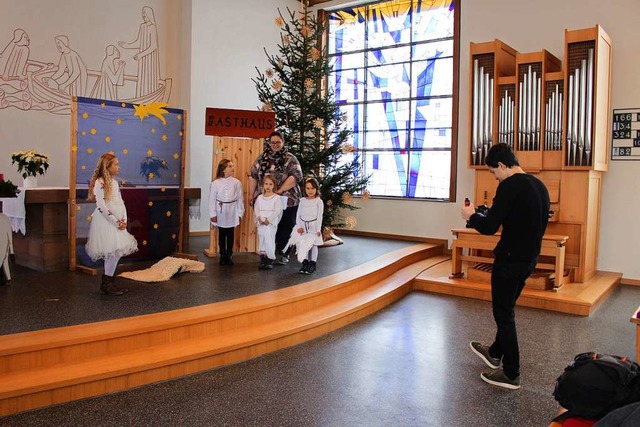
30 165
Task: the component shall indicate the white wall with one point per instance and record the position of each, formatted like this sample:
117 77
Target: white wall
210 49
90 25
227 44
528 27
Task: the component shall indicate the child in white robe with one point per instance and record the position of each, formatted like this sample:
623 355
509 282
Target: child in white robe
267 211
226 207
307 235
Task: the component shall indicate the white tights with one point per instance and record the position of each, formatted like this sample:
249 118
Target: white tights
110 264
313 254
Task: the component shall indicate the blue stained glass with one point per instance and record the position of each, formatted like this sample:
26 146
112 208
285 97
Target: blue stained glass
405 89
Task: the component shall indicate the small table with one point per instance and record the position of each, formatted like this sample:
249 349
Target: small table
552 245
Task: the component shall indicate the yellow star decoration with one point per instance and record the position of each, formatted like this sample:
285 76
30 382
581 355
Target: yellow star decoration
155 226
107 139
93 131
144 243
176 155
179 117
89 150
124 181
118 121
83 167
153 130
155 109
74 148
123 105
149 152
180 133
164 137
164 162
175 175
125 151
151 175
85 115
112 152
84 133
150 204
163 189
168 213
78 207
103 105
89 218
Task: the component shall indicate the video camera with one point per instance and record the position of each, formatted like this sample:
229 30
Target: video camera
482 210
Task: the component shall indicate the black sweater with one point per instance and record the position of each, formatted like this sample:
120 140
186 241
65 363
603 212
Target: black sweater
521 207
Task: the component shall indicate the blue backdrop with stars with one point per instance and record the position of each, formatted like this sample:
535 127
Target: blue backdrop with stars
148 140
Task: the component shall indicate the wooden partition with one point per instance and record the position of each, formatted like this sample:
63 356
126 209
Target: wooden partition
237 136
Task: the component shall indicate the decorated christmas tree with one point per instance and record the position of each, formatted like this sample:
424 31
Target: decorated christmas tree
294 87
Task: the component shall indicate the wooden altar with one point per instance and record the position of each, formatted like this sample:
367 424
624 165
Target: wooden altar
45 247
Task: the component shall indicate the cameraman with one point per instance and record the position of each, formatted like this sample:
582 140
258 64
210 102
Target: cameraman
521 207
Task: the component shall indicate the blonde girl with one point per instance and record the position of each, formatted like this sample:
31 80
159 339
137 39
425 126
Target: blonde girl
108 236
267 211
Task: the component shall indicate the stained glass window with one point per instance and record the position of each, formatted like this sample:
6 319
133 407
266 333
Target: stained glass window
393 77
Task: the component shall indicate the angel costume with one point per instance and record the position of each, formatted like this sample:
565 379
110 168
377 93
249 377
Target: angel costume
105 238
226 204
309 219
267 208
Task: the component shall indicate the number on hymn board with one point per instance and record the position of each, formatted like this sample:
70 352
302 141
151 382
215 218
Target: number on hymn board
621 151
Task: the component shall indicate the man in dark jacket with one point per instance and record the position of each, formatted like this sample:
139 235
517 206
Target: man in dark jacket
521 207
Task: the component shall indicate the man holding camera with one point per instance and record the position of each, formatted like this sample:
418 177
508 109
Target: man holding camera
521 207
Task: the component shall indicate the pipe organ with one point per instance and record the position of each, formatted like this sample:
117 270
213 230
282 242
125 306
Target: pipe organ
556 117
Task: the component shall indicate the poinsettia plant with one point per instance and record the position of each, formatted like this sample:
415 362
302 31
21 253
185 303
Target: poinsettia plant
30 162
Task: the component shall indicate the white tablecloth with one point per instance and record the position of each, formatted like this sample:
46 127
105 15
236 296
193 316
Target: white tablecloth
14 208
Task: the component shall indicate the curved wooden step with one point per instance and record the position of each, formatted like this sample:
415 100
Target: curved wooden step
47 367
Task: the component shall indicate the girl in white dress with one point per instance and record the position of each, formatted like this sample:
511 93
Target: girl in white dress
309 226
225 207
267 211
108 236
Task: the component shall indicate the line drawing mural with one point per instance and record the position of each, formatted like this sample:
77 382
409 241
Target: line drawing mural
147 56
30 84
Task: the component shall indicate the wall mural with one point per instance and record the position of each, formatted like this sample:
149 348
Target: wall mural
30 84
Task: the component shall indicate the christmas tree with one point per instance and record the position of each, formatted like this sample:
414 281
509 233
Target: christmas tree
315 130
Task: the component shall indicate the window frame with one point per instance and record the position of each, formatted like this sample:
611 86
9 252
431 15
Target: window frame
324 16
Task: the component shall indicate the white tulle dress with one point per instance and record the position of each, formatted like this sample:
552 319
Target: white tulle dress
105 238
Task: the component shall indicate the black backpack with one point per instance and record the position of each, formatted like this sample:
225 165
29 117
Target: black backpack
594 384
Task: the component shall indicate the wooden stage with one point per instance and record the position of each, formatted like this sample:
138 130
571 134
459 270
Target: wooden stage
572 298
46 367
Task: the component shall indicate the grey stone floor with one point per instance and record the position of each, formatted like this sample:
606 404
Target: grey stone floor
407 365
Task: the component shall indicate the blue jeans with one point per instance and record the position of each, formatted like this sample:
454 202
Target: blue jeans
507 280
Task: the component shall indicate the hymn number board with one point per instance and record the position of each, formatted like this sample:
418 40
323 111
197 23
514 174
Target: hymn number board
626 134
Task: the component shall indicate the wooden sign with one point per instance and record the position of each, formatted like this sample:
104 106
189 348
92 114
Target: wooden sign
239 123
